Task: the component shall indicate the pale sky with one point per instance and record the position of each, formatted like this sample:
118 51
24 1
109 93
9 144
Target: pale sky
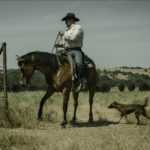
117 33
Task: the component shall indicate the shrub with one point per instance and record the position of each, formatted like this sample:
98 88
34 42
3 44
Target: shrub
121 87
104 87
144 86
15 88
131 87
145 70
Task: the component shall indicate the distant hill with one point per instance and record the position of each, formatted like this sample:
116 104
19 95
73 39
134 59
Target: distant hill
123 77
122 72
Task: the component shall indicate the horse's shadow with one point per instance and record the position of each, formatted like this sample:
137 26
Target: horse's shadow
131 123
97 123
100 123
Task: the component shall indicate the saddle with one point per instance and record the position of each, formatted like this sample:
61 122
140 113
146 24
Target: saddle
76 76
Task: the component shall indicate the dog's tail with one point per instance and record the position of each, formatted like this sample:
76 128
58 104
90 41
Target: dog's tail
146 102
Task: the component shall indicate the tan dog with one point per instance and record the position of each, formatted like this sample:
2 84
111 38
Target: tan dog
126 109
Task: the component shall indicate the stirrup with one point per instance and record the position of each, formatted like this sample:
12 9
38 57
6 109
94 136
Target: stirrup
76 86
84 84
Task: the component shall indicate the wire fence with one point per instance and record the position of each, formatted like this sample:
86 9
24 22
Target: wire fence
1 62
4 74
1 73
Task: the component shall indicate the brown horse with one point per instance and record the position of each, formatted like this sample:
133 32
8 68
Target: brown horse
58 78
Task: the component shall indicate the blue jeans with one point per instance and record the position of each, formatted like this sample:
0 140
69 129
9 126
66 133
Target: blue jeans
79 63
78 57
80 67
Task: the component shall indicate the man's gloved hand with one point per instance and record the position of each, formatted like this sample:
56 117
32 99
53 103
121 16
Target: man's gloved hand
58 45
61 33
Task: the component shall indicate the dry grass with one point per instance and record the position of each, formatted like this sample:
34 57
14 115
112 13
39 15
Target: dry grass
10 139
23 132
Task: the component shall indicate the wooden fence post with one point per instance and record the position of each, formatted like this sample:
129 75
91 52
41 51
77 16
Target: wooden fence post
5 99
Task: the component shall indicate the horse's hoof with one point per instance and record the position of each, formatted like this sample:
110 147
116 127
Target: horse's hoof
73 121
90 121
63 124
40 119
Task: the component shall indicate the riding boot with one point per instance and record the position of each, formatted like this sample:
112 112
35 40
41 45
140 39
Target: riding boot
84 84
84 77
77 80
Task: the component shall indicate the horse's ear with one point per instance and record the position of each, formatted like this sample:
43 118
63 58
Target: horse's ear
19 58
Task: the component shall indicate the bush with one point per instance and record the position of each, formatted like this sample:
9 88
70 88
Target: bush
144 86
104 87
121 87
145 70
131 87
15 88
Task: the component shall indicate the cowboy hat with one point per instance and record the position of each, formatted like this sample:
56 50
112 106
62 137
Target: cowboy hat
70 16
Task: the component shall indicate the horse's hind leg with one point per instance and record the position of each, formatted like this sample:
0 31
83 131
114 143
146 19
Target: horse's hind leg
75 97
66 93
91 95
49 92
92 88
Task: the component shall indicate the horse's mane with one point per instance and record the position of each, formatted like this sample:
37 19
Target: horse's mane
43 59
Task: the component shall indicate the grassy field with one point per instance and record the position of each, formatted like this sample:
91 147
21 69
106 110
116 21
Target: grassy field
23 132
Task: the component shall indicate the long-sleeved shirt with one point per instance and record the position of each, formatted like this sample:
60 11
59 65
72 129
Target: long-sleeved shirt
73 36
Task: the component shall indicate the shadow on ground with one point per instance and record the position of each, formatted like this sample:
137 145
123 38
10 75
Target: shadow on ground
132 123
97 123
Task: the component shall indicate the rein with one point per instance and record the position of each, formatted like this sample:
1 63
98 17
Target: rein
58 39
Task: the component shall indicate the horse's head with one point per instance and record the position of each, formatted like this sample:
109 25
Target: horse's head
26 70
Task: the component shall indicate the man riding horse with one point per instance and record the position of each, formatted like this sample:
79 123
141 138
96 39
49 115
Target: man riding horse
73 42
59 77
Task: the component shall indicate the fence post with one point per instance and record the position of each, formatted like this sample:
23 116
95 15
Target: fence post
5 100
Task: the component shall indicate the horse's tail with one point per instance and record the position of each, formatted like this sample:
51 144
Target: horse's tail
88 60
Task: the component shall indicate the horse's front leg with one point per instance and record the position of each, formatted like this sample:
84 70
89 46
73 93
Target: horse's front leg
49 92
66 94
